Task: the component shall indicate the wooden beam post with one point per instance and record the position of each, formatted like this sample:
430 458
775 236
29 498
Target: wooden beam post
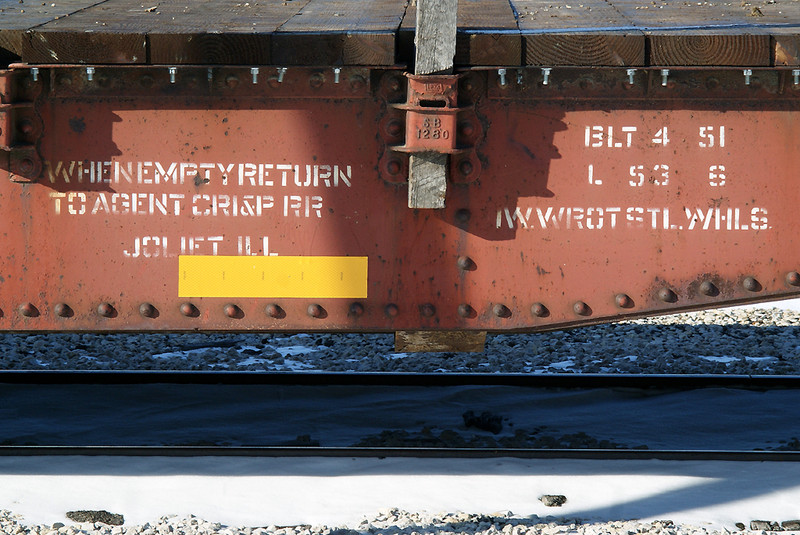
435 43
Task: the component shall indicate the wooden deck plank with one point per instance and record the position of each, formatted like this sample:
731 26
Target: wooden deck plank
340 32
708 33
488 34
16 18
179 31
592 32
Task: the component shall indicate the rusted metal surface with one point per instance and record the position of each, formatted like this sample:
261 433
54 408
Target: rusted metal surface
600 196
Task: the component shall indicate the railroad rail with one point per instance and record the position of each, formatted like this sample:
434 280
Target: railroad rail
303 166
348 415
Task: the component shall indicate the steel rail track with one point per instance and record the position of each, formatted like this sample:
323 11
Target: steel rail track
580 381
448 453
555 381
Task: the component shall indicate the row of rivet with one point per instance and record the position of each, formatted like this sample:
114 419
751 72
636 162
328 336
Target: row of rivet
427 310
631 73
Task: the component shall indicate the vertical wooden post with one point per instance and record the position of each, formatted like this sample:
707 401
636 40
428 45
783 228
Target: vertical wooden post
435 42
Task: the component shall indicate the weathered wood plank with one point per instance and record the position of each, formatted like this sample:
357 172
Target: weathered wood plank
705 33
416 341
487 34
435 43
17 17
201 31
340 32
709 48
586 33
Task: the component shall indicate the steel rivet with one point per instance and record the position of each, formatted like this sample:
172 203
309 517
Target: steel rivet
356 309
465 310
501 311
395 83
546 75
793 278
25 126
539 310
147 310
233 311
231 81
463 215
709 288
623 301
336 74
62 310
189 310
667 295
315 311
664 77
747 74
465 167
146 81
394 128
502 74
393 166
254 73
466 128
90 73
173 73
316 80
391 310
106 310
28 310
274 311
357 82
25 167
631 74
796 76
465 263
581 309
427 310
751 284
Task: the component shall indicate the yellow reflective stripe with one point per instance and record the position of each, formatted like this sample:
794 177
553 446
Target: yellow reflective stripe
273 276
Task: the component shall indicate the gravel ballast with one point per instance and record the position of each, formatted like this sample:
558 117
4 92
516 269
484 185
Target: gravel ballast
733 341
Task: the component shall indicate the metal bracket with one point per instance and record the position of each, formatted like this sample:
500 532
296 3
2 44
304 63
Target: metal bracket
429 120
20 128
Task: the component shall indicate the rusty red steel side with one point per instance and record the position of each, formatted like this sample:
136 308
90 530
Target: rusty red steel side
222 199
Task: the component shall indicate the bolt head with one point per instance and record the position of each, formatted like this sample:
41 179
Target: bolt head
463 215
667 295
751 284
465 263
539 310
501 311
356 310
709 288
147 310
623 301
28 310
106 310
581 309
274 311
189 310
232 311
466 311
62 310
393 167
